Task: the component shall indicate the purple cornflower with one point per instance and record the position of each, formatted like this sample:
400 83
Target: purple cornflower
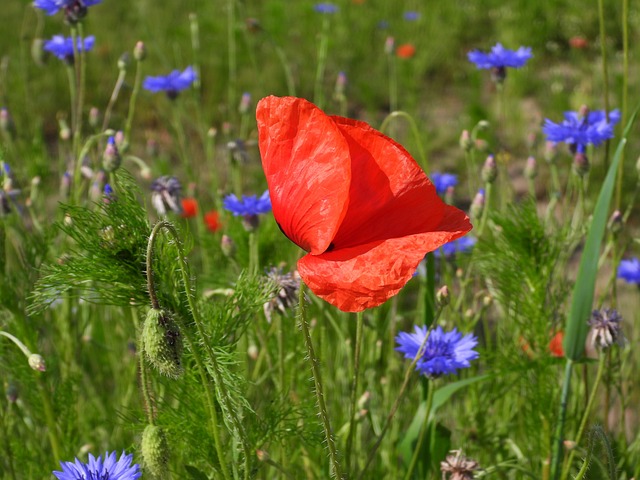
411 16
442 181
166 195
172 84
629 270
249 205
75 8
581 128
499 59
97 469
460 245
444 353
606 328
326 8
62 47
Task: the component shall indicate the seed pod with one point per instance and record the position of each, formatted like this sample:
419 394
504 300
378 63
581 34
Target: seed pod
162 342
155 450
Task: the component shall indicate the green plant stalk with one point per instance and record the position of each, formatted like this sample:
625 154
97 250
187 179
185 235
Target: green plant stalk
282 58
488 188
52 428
429 293
625 89
7 445
354 387
393 82
323 48
77 174
317 380
422 156
73 93
114 97
200 364
423 432
605 70
556 454
587 411
396 403
195 46
132 102
77 132
232 52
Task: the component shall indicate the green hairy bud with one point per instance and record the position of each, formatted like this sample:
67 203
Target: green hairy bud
162 342
155 450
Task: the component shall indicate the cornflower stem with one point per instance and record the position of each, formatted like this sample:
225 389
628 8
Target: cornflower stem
217 377
354 386
605 71
403 388
393 82
317 380
194 27
585 415
254 256
625 91
323 48
423 432
76 95
132 102
144 381
232 52
73 93
82 71
430 289
424 163
488 187
114 97
77 174
562 416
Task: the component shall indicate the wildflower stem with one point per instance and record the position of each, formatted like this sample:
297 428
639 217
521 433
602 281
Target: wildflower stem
414 130
625 90
354 386
52 428
423 431
396 404
82 70
562 415
231 47
393 82
114 96
585 414
317 379
605 73
323 47
18 343
487 205
132 102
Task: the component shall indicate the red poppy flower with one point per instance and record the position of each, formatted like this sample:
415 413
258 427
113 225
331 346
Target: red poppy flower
579 43
406 51
212 220
351 197
189 207
555 345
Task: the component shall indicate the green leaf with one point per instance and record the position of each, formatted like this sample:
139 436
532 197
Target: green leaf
583 292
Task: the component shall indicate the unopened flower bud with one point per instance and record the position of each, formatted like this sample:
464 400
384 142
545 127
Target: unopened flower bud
250 222
465 141
124 61
64 129
487 300
35 189
262 455
389 45
7 126
615 222
531 140
139 51
550 152
489 170
65 185
94 117
531 169
580 164
245 103
111 159
341 83
228 246
477 205
442 296
482 145
212 132
162 342
155 450
37 362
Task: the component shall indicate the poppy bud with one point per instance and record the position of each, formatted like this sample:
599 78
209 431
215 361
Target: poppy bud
465 141
139 51
253 352
155 450
162 342
442 297
37 362
111 158
531 170
262 455
228 246
489 170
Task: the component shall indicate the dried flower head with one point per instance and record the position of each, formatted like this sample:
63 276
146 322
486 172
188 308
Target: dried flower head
459 466
166 195
286 291
606 328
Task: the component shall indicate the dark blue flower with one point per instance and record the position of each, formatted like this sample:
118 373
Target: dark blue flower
411 16
500 57
62 47
51 7
97 469
325 7
172 83
629 270
442 181
249 205
579 129
444 353
461 245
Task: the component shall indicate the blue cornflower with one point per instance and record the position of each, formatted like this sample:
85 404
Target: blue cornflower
325 7
629 270
442 181
499 59
444 353
97 469
249 205
51 7
411 16
62 47
581 128
460 245
172 83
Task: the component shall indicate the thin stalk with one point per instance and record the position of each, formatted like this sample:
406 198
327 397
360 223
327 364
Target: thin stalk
488 188
605 73
323 48
114 96
82 68
625 91
52 426
585 415
562 416
317 379
393 82
424 163
195 46
7 445
132 102
231 46
354 386
423 432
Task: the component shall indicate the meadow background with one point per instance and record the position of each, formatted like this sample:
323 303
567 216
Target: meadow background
70 293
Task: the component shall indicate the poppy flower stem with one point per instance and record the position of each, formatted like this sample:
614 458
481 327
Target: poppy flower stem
414 130
323 47
317 379
354 386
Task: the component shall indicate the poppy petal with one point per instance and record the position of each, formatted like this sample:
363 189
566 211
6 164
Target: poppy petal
365 276
306 162
390 195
